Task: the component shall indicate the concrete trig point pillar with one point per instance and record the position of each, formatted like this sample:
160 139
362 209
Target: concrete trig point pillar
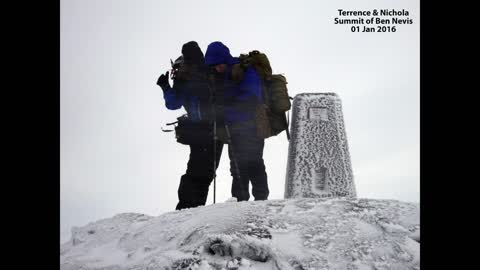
318 158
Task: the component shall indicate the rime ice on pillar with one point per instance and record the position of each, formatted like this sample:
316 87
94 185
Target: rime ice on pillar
318 158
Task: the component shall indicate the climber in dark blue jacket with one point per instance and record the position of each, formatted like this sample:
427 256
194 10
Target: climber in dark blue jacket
240 100
190 90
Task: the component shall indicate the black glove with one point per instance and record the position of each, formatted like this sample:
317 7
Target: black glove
163 81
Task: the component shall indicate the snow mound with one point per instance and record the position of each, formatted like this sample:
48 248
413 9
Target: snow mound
306 233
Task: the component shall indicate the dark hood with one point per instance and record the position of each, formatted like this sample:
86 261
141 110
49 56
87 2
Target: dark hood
192 54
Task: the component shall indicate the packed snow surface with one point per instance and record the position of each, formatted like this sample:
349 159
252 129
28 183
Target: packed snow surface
305 233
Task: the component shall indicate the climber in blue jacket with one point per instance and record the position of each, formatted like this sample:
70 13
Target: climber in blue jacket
238 102
191 90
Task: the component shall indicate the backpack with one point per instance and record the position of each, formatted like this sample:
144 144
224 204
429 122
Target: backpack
270 116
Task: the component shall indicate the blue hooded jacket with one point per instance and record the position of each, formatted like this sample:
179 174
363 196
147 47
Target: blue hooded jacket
239 97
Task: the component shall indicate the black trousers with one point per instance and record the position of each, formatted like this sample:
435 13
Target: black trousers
247 150
194 184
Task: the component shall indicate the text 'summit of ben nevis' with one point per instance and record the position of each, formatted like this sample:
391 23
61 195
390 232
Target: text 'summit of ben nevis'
376 20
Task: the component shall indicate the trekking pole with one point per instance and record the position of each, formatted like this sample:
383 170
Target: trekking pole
214 158
214 115
229 141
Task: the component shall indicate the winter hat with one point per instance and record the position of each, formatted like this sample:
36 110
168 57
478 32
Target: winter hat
192 54
217 53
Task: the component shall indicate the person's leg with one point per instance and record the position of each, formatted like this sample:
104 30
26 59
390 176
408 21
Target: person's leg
256 170
239 178
194 184
205 175
248 150
185 193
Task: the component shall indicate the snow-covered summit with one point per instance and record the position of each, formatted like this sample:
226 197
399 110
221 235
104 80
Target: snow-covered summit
305 233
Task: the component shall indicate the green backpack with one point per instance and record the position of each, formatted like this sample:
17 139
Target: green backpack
270 116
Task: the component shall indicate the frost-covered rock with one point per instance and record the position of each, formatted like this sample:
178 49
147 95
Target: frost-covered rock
319 163
294 234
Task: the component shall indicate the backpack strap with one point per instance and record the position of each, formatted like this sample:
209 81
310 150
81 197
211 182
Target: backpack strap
288 125
265 95
237 72
288 122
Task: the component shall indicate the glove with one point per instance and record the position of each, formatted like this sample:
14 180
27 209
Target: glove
163 81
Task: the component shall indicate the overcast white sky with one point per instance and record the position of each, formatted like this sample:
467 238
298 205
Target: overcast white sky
114 156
